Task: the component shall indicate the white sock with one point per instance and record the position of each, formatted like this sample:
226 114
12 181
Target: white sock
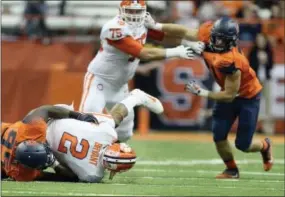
130 102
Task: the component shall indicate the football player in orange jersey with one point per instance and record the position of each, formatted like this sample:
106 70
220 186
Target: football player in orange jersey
240 88
24 151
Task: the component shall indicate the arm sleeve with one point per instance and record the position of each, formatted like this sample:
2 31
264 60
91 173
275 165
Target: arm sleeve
155 35
204 32
127 45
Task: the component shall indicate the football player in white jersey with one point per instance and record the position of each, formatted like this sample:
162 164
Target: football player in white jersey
122 40
84 150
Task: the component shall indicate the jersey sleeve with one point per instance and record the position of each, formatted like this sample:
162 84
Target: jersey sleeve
227 67
155 35
204 32
127 45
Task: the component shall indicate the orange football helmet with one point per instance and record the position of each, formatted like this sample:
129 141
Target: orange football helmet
119 157
133 12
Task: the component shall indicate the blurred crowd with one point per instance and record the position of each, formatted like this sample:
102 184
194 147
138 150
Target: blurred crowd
255 16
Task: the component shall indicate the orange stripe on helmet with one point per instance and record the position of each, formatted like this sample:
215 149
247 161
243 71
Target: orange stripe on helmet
130 2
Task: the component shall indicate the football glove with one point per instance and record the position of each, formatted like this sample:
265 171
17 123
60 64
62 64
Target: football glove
194 88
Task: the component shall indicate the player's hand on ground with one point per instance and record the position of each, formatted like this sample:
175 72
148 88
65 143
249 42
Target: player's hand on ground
185 52
87 118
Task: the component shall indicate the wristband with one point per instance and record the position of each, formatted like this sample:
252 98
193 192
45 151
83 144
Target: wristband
171 53
158 26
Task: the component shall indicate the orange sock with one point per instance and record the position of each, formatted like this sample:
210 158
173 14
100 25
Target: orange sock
265 146
231 164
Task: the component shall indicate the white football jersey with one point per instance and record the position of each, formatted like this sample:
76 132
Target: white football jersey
110 63
79 145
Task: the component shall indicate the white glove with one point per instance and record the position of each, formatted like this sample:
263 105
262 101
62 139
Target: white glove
198 47
194 88
125 148
151 24
180 51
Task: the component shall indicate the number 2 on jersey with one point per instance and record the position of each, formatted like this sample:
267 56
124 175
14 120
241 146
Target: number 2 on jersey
74 141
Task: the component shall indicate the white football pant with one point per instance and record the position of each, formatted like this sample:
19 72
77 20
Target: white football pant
99 94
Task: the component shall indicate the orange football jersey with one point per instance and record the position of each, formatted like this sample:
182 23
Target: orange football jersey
221 64
11 136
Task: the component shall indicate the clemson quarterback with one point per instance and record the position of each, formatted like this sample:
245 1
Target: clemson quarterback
122 47
240 89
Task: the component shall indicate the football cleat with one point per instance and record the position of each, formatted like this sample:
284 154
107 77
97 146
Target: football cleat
267 156
229 174
148 101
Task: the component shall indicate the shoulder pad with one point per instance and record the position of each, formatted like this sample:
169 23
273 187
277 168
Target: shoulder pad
204 31
115 29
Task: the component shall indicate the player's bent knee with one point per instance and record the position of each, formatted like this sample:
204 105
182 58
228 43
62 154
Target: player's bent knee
242 146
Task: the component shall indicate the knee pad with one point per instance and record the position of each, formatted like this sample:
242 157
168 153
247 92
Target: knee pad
125 129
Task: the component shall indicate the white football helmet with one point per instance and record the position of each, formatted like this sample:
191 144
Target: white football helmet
118 157
133 12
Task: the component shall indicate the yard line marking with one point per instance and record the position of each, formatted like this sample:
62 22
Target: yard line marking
207 171
69 193
199 162
186 186
199 178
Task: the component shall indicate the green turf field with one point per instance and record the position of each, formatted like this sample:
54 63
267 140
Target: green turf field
172 168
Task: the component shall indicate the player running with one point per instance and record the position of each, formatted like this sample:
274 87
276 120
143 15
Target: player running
88 149
31 133
240 94
122 47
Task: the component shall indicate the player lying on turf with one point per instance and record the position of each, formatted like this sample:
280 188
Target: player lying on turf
88 149
31 131
240 94
84 150
122 48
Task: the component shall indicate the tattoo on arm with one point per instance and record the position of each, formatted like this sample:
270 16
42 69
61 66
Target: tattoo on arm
119 112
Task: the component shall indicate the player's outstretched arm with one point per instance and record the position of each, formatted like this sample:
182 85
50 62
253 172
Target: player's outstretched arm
232 85
47 112
172 30
176 34
130 46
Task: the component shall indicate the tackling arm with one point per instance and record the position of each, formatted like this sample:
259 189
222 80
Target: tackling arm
232 85
180 31
47 112
132 47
